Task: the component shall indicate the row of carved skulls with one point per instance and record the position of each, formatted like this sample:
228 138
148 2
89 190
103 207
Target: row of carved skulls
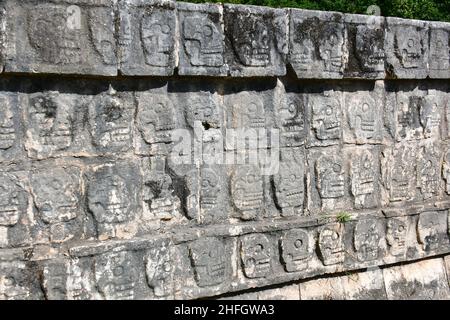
117 274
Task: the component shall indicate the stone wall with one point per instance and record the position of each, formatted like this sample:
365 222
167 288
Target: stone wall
123 174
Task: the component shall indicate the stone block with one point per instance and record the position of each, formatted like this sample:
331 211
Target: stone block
365 46
256 40
317 44
322 289
423 280
363 114
11 127
439 56
202 45
64 37
147 38
365 285
289 292
406 46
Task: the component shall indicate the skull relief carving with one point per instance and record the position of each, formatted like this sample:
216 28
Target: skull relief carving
330 177
157 37
7 128
155 118
51 120
101 27
331 244
369 48
331 48
56 194
159 270
51 37
326 117
203 41
247 191
256 254
396 232
13 200
289 187
251 40
295 250
209 261
363 116
247 111
116 275
409 47
439 49
110 122
430 230
367 239
363 174
13 281
291 121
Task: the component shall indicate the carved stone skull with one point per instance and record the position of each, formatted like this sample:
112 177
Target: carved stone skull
109 197
326 117
369 48
396 232
289 187
330 177
203 41
12 200
209 261
247 191
295 250
428 230
51 120
362 116
256 255
116 275
367 239
157 38
331 47
159 270
13 281
7 128
331 244
363 174
291 121
110 122
155 118
251 40
409 47
101 27
210 188
247 111
57 193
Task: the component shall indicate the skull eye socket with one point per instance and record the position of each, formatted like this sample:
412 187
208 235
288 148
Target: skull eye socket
165 29
10 281
365 107
411 43
292 107
298 243
336 167
259 248
251 178
207 30
118 271
334 236
401 228
167 267
329 110
213 254
252 108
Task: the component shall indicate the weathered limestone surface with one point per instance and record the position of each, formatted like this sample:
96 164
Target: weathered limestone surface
177 186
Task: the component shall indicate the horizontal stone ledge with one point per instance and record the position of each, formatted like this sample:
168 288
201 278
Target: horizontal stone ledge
161 37
214 265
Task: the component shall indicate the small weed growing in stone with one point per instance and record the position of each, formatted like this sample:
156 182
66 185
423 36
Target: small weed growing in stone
343 217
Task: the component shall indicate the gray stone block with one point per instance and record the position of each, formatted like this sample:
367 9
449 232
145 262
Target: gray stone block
147 37
317 44
365 46
202 45
256 40
406 46
68 37
423 280
439 56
